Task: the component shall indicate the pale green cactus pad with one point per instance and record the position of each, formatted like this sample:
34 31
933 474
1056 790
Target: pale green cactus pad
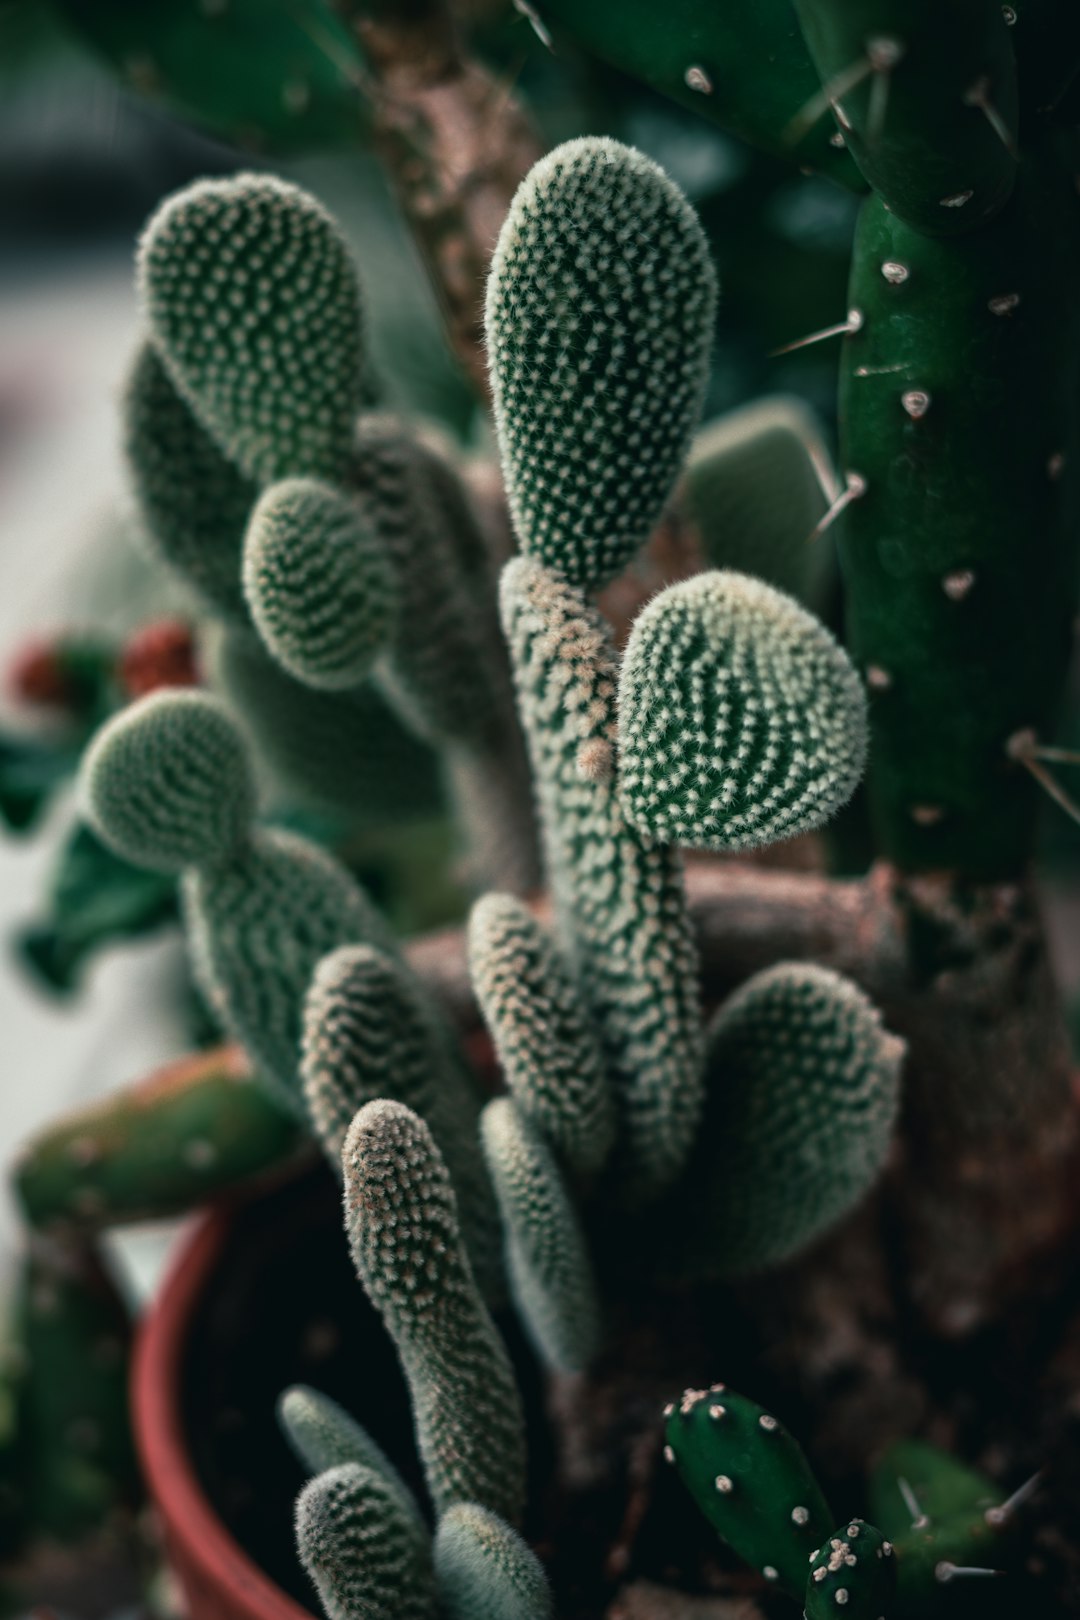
485 1571
370 1558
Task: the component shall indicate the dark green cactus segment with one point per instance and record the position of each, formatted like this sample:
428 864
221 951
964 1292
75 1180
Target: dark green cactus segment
741 720
253 305
599 322
854 1571
924 92
957 402
266 74
192 501
369 1557
194 1129
167 783
745 68
754 488
485 1571
938 1513
323 1435
751 1480
319 586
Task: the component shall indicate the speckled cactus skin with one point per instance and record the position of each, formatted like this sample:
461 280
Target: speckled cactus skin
545 1044
803 1086
547 1256
485 1571
320 587
854 1571
599 323
741 720
295 294
619 897
402 1220
323 1435
369 1558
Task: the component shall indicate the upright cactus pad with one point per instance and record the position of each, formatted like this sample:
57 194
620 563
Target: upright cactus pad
599 324
319 585
751 1480
370 1559
553 1064
803 1096
547 1256
741 721
402 1221
323 1435
485 1571
619 897
254 307
940 1515
854 1571
167 783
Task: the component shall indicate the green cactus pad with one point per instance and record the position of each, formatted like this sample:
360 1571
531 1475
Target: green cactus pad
254 307
167 783
549 1054
619 897
402 1220
323 1435
193 502
600 309
925 96
546 1251
855 1571
741 721
803 1085
485 1571
938 1513
370 1559
319 585
751 1480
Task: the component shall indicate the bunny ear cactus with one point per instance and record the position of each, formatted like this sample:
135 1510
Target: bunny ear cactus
368 1556
942 1517
599 324
485 1571
855 1571
741 721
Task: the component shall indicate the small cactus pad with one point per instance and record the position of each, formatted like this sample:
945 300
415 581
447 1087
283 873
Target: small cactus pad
853 1572
751 1480
320 587
254 307
939 1514
369 1558
485 1571
167 783
803 1085
600 309
323 1435
402 1220
741 720
549 1053
547 1256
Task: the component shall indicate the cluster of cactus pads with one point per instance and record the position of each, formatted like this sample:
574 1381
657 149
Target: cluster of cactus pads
334 543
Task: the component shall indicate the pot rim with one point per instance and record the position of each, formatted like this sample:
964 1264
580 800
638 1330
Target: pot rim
195 1537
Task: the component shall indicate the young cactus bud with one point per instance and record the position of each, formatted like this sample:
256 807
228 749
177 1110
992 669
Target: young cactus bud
853 1571
549 1053
319 586
741 720
546 1251
369 1558
600 308
323 1435
168 784
254 307
402 1221
751 1480
485 1571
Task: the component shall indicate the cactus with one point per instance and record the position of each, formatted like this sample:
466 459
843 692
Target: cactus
741 721
854 1570
401 1216
485 1571
599 320
619 897
940 1515
268 240
546 1253
323 1435
803 1097
549 1054
368 1556
751 1481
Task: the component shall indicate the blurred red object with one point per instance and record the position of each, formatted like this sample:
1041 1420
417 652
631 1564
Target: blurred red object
159 654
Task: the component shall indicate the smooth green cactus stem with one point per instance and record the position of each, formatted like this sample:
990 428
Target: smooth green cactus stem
599 320
942 1517
854 1571
402 1220
485 1571
925 97
368 1556
323 1435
